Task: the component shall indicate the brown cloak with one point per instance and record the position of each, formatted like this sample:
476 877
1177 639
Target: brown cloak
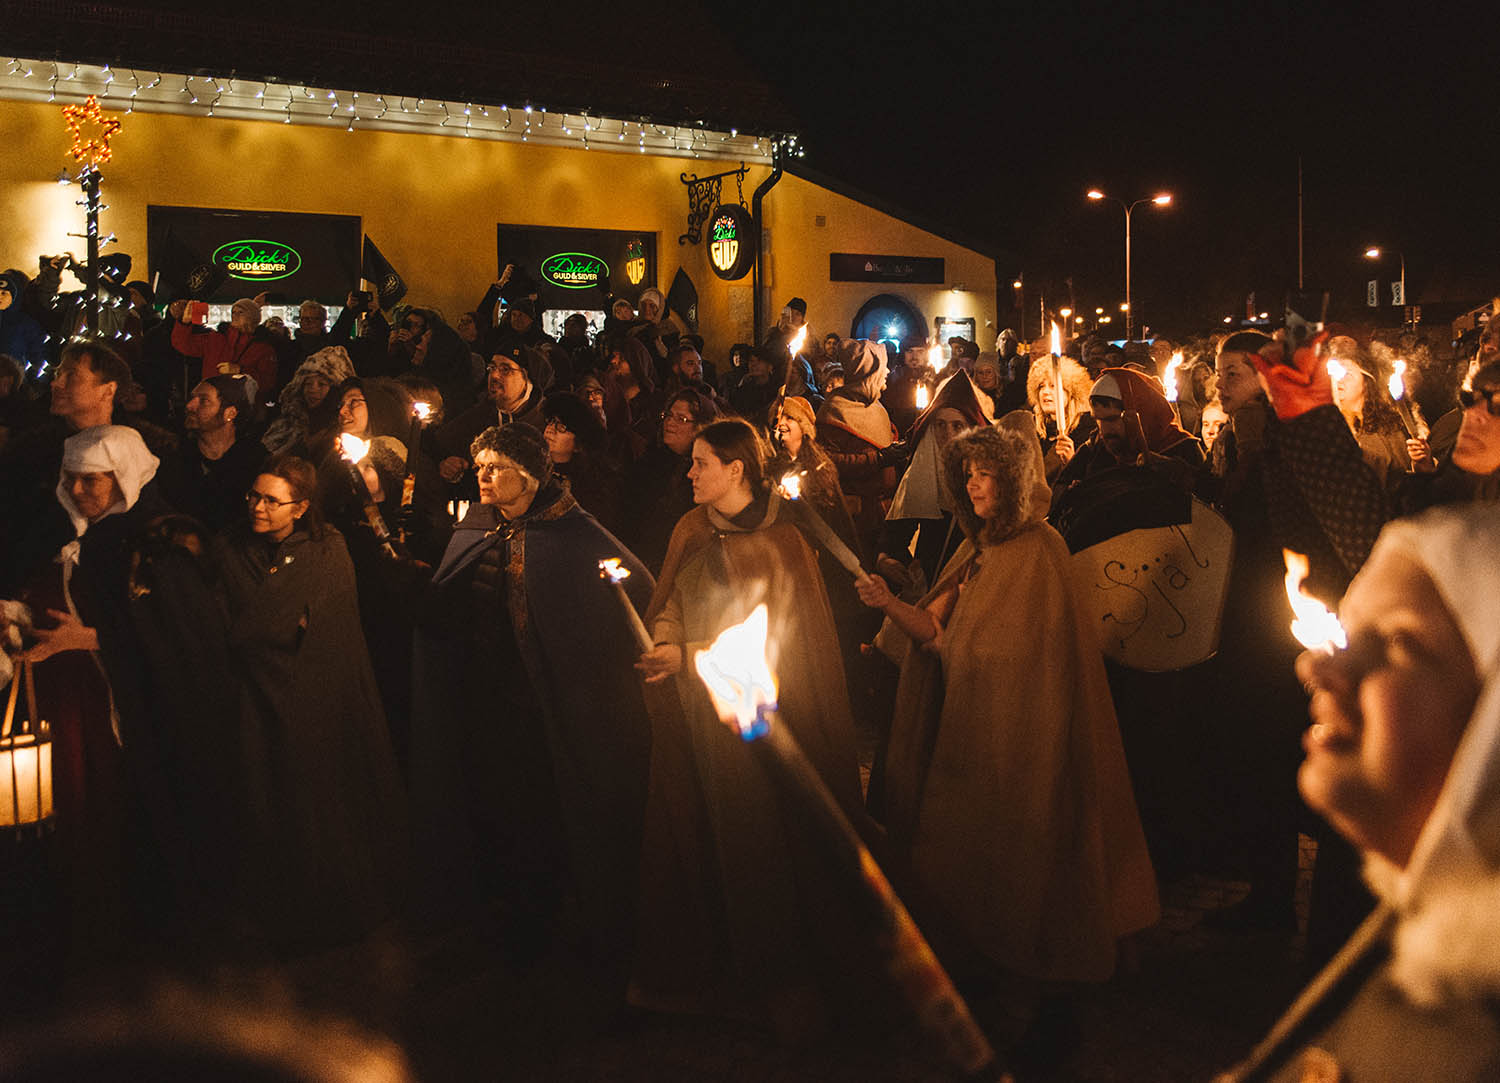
1009 797
733 887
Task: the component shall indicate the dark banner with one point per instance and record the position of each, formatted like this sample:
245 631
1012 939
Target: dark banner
299 255
579 268
852 267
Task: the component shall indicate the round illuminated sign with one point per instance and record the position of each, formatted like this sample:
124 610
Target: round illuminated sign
257 260
731 241
575 271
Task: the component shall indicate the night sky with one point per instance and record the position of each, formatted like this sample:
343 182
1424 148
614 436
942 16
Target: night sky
998 122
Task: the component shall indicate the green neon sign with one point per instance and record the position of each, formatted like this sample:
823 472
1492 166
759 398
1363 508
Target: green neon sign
574 270
258 260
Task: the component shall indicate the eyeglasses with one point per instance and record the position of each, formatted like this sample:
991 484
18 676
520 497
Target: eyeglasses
506 370
255 499
681 419
350 404
1490 396
555 425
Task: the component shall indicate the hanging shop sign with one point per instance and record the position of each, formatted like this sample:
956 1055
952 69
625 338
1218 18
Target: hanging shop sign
635 261
578 269
215 254
731 245
856 267
574 270
258 260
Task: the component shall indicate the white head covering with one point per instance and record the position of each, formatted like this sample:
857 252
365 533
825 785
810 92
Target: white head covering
1448 894
113 449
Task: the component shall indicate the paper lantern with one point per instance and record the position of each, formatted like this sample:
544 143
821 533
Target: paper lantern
25 761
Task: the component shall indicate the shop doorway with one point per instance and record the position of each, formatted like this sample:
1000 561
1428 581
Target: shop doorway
892 320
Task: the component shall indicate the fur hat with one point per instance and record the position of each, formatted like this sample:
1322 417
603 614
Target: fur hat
800 410
388 456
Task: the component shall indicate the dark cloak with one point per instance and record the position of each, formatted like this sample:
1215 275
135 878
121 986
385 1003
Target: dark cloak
329 847
577 653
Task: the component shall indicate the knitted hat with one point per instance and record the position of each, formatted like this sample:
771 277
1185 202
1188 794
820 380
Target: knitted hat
799 305
524 446
388 456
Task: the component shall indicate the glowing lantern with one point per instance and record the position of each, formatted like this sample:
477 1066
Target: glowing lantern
25 761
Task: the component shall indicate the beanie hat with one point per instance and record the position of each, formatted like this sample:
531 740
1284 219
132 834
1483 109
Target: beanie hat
388 456
799 305
524 446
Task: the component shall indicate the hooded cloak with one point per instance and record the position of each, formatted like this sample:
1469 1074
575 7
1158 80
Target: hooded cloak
1007 787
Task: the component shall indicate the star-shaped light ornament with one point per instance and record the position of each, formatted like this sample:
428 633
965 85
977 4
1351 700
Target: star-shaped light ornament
92 151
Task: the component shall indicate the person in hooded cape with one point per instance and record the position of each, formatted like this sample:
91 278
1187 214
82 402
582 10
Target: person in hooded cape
309 417
1009 801
21 337
530 741
1402 758
859 437
328 814
735 901
921 508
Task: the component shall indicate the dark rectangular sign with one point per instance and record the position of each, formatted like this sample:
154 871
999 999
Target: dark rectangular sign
854 267
580 268
300 255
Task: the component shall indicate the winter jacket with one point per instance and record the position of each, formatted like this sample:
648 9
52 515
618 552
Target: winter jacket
229 351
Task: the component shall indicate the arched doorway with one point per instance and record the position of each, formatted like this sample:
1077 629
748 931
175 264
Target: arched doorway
892 320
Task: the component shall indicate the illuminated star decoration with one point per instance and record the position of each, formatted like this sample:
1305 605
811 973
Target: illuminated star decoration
93 151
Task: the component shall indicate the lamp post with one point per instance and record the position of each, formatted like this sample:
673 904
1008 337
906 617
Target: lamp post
1374 253
1161 199
1019 285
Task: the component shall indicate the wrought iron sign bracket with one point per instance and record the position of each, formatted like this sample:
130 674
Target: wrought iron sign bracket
703 197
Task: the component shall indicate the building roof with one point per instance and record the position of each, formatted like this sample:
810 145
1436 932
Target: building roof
614 66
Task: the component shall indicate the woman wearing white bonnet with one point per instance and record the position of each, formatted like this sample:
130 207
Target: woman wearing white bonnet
1403 757
86 667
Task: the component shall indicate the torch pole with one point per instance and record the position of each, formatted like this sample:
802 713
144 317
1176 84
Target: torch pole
637 626
904 953
824 535
373 517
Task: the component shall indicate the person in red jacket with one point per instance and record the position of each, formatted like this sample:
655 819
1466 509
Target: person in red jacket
237 348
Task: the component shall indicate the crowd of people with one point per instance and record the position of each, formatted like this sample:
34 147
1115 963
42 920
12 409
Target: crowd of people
318 616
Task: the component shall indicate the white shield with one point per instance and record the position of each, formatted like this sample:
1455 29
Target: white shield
1156 596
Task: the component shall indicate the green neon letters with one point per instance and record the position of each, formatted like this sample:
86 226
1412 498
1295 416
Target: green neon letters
574 270
258 260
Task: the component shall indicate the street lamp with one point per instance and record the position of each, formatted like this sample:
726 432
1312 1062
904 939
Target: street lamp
1374 253
1019 285
1161 199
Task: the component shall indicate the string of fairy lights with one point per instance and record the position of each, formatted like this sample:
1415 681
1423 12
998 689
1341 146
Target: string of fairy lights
127 90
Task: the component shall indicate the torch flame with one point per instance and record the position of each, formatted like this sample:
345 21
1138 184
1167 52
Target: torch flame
353 448
795 346
1056 340
935 358
1169 381
738 676
1397 382
1337 370
922 396
612 570
422 410
791 486
1314 627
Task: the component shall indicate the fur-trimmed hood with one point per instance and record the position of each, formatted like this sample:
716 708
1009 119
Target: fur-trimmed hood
1015 456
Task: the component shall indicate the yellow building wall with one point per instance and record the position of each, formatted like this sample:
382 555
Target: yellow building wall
431 203
798 251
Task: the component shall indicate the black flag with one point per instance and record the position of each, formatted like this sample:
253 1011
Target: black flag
189 275
389 286
682 299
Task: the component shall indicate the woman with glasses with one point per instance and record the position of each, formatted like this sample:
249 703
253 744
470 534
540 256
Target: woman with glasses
579 447
328 838
657 490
